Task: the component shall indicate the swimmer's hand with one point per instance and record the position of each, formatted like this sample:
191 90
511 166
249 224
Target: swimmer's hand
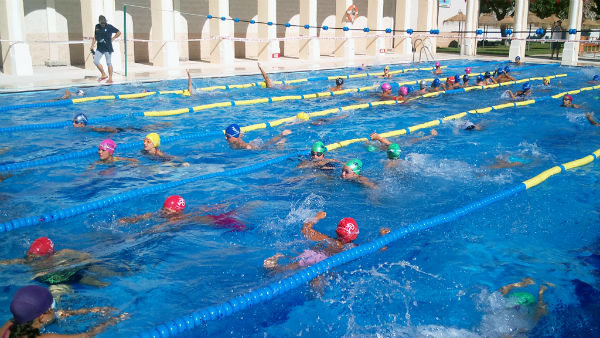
384 231
374 136
320 215
434 132
286 132
271 262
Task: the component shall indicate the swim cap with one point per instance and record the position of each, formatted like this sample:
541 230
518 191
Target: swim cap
521 298
385 87
436 83
339 81
409 89
42 246
500 71
437 64
422 84
480 77
80 92
468 70
355 165
451 79
347 229
80 118
386 68
526 86
596 78
154 138
403 91
175 203
568 97
517 58
466 78
319 147
30 302
393 151
507 69
233 130
108 145
487 75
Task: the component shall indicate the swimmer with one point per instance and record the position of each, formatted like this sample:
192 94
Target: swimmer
422 88
517 60
339 85
151 149
489 79
346 232
510 162
173 211
106 150
595 79
64 266
438 68
468 125
465 80
69 94
507 77
352 171
567 101
437 85
449 85
402 94
268 83
318 160
521 93
34 307
546 82
386 72
326 120
234 138
591 119
499 75
480 80
386 92
190 89
81 121
467 70
385 143
525 301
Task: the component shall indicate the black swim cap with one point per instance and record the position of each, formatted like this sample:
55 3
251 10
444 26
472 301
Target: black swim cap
339 81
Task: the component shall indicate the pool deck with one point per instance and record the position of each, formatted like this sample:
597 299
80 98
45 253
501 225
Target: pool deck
71 77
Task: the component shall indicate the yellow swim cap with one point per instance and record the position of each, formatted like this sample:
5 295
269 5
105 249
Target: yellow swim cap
154 138
186 93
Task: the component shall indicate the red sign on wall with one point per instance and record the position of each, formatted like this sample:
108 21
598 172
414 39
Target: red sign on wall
275 55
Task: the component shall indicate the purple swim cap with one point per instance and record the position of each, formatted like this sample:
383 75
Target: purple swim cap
108 145
403 91
386 86
468 70
437 64
29 302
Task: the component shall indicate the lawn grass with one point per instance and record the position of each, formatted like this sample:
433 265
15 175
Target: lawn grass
534 48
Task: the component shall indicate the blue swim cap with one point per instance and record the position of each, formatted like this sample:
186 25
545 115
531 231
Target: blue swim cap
517 58
507 69
410 89
500 71
487 75
233 130
466 78
480 77
436 83
457 78
596 78
526 86
80 118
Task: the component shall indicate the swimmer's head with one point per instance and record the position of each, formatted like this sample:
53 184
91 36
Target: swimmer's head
386 68
465 78
347 229
108 145
456 78
393 152
352 169
507 69
520 298
480 77
546 81
385 87
487 75
436 83
339 81
422 84
80 120
517 58
438 65
80 92
568 98
450 79
596 78
318 150
154 138
403 91
31 302
42 246
500 71
409 89
468 70
526 86
174 204
233 130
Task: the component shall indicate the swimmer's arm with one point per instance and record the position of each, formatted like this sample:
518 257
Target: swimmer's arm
366 182
576 105
382 232
69 313
512 96
384 141
105 129
419 139
309 232
279 137
135 219
12 261
266 77
130 160
190 86
591 119
93 332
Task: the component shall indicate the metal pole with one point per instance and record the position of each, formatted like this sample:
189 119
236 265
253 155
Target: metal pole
125 34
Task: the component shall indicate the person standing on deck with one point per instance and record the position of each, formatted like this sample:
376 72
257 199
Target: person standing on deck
103 36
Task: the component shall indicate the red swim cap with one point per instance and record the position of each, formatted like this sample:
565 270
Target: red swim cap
175 203
42 246
347 229
568 97
451 79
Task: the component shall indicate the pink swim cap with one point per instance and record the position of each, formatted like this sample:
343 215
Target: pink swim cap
42 246
108 145
403 91
468 70
347 229
437 64
386 86
175 203
568 97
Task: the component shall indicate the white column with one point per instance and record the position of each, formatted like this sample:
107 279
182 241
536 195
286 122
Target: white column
267 12
469 46
15 56
344 48
221 51
570 55
163 49
427 20
51 26
309 49
402 22
90 11
517 47
375 21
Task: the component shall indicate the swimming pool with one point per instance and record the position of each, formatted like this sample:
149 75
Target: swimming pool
435 282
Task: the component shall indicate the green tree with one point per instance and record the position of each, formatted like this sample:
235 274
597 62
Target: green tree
545 8
499 7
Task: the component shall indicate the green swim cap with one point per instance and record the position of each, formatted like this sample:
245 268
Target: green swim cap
521 298
355 165
394 151
371 148
319 147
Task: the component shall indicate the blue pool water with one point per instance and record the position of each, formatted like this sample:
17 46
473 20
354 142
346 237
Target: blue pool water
436 283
